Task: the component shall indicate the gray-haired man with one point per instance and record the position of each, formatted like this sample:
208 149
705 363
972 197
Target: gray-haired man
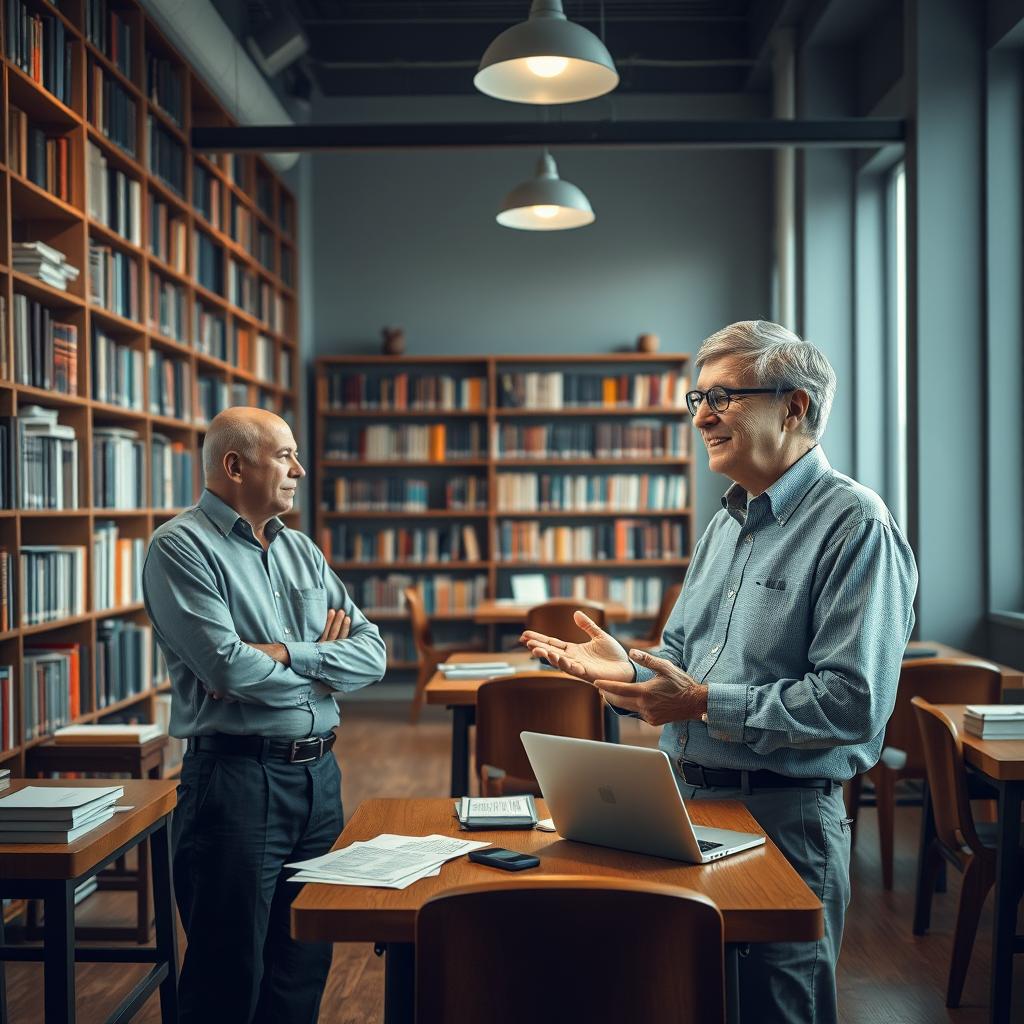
779 664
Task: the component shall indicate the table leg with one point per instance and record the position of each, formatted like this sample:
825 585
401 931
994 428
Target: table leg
1004 930
59 952
166 923
399 982
923 889
3 971
463 716
732 983
611 725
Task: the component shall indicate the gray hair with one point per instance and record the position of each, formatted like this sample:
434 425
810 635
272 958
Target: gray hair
778 358
230 432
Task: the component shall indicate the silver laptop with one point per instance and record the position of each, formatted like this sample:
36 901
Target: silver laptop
625 797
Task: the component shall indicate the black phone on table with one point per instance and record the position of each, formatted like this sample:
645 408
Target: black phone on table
507 860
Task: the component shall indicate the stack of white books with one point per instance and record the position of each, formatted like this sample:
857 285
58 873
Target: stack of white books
5 778
476 669
44 262
995 721
116 733
55 814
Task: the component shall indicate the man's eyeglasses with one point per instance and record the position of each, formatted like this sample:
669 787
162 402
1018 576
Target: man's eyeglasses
719 398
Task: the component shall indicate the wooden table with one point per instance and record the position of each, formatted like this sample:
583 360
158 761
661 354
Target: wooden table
1013 678
459 695
1002 764
136 760
51 872
761 897
492 612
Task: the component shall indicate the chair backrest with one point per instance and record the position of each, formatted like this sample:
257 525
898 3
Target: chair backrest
524 949
947 777
668 602
534 701
421 634
555 618
938 681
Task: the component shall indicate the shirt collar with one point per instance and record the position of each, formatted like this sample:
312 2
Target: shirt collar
224 517
784 496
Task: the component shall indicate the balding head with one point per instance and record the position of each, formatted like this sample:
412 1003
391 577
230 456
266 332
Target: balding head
242 429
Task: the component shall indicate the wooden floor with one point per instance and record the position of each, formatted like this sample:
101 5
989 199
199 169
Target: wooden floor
886 975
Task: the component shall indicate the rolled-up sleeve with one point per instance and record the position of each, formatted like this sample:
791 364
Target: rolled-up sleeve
862 618
341 665
192 618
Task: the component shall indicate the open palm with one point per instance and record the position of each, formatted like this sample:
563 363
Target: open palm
601 657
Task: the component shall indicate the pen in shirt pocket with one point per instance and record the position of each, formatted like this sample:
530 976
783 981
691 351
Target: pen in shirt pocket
772 584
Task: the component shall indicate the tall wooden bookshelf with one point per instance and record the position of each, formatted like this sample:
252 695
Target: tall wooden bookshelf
365 407
248 223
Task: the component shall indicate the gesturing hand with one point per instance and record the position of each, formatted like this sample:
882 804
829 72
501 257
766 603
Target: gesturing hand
671 696
337 626
601 657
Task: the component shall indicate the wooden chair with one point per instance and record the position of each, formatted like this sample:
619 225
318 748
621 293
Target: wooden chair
939 681
555 617
653 638
969 846
534 701
524 949
430 654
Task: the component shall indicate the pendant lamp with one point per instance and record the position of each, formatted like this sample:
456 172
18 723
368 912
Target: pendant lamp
546 59
545 202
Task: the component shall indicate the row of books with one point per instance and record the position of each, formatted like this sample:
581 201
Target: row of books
640 594
114 280
252 351
117 371
166 156
540 389
399 644
450 543
209 263
118 468
47 453
391 494
265 247
55 687
215 395
124 660
172 473
211 334
242 225
44 262
111 33
168 308
207 194
111 109
8 614
634 439
52 582
40 156
165 86
168 235
404 391
45 350
611 492
38 44
170 385
112 197
620 540
8 725
254 295
116 567
411 442
442 593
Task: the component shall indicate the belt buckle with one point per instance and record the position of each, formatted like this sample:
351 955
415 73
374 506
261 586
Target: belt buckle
305 760
691 773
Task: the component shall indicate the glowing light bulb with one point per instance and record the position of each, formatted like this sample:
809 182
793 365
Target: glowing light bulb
545 212
547 67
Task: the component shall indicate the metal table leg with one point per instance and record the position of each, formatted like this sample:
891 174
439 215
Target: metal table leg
59 952
922 893
166 925
399 982
463 716
611 725
1004 929
732 983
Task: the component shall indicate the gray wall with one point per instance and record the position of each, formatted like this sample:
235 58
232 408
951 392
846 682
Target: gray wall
681 246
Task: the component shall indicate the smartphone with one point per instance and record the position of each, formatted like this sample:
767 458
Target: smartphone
507 860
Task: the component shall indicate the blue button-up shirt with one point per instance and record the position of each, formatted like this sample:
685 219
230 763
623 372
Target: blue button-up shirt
211 590
797 609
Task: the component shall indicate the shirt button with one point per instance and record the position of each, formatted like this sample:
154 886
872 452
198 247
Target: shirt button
750 539
732 594
714 650
277 593
287 632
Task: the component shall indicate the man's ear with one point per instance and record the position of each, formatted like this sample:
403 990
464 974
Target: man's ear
796 409
233 467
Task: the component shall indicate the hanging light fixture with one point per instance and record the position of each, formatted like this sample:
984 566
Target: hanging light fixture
545 202
546 59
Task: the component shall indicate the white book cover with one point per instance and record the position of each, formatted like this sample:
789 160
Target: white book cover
69 803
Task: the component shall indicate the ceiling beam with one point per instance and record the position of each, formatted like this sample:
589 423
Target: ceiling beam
850 133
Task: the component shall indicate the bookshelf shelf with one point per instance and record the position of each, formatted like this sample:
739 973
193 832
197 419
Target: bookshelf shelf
168 229
633 418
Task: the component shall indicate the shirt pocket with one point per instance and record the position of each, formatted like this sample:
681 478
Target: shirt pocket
310 606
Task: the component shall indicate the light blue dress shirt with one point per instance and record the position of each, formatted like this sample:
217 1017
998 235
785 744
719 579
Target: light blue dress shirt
211 590
796 611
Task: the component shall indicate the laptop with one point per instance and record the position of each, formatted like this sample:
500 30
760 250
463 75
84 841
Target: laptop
625 797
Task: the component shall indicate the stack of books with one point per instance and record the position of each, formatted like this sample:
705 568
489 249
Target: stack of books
5 778
107 732
44 262
995 721
476 669
482 812
55 814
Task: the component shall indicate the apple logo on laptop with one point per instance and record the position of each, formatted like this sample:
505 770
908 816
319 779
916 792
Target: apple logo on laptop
607 794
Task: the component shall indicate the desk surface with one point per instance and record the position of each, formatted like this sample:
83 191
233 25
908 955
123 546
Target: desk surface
150 800
492 612
998 759
440 690
761 897
1012 677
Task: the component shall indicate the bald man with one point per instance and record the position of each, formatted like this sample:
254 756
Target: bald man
259 636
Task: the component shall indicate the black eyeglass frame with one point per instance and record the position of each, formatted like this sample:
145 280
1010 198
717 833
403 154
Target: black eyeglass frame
695 397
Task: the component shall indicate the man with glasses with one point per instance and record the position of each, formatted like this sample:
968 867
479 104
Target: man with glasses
778 666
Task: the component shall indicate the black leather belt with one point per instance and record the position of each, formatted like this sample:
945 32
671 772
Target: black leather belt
731 778
304 751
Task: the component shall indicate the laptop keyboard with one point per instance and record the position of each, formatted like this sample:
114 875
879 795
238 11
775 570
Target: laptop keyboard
705 846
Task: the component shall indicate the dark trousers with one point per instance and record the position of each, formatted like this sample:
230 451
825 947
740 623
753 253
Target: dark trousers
238 822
